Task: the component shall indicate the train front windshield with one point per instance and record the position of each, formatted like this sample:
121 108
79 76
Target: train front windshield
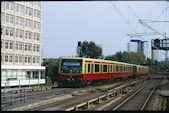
71 66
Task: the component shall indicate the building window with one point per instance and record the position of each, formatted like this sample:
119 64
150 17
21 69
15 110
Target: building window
19 9
17 34
21 34
36 36
6 58
2 18
37 25
26 35
26 48
34 48
20 59
1 57
2 30
9 32
30 35
33 59
20 46
16 59
29 48
16 47
9 19
37 48
29 59
37 60
19 21
28 11
36 14
11 45
10 58
37 4
2 5
26 60
7 5
6 45
28 23
11 7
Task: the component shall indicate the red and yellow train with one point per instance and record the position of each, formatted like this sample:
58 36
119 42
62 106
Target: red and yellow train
77 71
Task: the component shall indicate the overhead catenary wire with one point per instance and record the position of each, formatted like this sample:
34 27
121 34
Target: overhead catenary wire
158 17
124 18
165 10
135 14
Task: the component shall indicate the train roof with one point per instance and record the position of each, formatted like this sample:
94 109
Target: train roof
108 61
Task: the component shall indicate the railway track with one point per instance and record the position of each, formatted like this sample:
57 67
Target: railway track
84 92
81 100
139 99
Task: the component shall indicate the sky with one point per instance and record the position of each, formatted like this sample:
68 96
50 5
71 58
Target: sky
104 22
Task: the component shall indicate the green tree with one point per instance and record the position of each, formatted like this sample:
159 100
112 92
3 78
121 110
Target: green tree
132 57
51 72
119 56
111 57
90 50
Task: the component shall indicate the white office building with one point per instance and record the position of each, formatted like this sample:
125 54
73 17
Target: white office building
21 43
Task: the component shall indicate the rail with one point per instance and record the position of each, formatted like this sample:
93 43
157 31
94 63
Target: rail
147 100
116 91
145 103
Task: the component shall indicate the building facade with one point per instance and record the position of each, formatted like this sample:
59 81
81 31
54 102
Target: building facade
21 43
138 46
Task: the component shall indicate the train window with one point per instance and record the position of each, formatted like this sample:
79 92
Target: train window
129 69
101 67
114 68
110 68
96 67
85 68
124 69
117 68
104 68
120 68
92 68
88 68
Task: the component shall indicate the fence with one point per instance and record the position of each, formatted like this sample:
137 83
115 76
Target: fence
11 97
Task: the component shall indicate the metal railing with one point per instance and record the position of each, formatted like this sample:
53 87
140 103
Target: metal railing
9 98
